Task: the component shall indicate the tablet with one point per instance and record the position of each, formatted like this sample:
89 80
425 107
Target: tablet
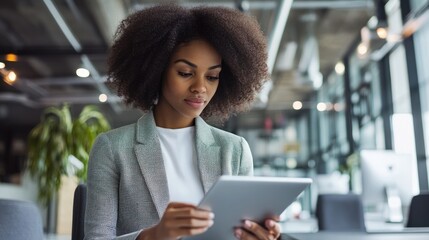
235 198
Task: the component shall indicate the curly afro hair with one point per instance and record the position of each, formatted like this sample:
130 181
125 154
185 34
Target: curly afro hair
145 41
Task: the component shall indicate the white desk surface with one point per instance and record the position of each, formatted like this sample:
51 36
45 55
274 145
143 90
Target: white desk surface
375 225
356 236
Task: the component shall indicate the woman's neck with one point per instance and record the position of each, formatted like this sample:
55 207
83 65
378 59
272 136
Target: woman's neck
166 121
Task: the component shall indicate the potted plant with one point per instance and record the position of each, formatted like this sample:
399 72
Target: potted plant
59 146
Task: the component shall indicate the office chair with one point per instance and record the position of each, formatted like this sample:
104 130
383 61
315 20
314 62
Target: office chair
20 220
340 212
418 215
79 206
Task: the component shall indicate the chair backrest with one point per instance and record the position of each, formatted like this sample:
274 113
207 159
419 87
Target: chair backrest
79 206
20 220
418 215
340 212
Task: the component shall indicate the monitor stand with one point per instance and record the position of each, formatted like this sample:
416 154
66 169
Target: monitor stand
393 208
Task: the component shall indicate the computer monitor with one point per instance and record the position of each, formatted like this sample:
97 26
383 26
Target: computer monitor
388 182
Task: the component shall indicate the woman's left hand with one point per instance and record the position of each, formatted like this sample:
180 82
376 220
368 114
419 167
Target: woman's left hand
254 231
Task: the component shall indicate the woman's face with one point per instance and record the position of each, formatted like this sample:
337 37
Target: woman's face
190 82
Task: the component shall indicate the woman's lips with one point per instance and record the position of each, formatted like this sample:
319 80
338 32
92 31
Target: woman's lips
195 102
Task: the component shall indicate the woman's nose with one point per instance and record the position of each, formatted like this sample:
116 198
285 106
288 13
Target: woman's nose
198 85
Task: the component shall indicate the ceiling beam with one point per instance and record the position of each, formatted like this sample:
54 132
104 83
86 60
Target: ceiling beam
54 51
75 80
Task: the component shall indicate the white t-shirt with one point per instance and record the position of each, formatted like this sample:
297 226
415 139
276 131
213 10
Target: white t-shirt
180 161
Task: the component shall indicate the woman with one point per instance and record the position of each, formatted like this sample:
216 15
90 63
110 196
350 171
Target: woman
176 64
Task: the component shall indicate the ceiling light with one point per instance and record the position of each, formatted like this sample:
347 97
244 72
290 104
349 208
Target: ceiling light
82 72
340 68
362 49
11 57
291 163
338 107
382 32
2 65
102 97
10 77
321 107
393 38
297 105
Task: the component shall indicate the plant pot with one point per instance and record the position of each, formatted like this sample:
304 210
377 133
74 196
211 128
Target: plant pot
65 204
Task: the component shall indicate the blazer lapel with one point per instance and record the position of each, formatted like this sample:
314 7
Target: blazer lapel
149 157
209 159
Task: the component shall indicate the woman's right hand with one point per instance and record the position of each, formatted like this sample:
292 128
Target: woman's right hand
179 220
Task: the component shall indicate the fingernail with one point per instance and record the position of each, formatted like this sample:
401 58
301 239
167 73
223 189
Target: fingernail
211 223
247 224
237 233
211 215
270 223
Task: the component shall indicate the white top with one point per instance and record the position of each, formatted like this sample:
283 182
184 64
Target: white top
180 161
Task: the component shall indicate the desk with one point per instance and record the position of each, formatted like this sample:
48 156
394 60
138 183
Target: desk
357 236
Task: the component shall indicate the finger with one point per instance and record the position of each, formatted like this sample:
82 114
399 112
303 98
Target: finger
190 223
180 205
185 205
257 230
273 227
191 213
241 234
275 218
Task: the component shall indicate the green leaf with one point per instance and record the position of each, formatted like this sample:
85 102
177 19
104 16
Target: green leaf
56 137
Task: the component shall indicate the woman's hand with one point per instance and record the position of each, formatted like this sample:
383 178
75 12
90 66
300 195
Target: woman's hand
179 220
254 231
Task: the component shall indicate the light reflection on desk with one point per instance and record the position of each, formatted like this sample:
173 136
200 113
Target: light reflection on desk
377 229
357 236
371 224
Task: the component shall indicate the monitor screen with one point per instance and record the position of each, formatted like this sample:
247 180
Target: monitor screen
386 169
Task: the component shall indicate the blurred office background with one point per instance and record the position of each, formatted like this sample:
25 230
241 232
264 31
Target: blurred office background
347 100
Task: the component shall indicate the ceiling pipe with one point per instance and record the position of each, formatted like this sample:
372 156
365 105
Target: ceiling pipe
333 4
107 15
84 58
271 5
20 98
277 33
79 99
273 47
267 5
52 100
66 81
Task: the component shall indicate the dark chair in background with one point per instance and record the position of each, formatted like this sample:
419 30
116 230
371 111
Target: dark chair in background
20 220
418 215
340 212
79 205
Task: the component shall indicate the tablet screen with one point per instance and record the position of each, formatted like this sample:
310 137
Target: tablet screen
235 198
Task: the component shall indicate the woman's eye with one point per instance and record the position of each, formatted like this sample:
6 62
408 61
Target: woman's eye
185 74
212 78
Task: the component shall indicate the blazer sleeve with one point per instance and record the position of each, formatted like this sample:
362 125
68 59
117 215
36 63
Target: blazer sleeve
102 194
246 160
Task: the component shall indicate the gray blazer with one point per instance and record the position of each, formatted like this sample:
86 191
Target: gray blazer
127 183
